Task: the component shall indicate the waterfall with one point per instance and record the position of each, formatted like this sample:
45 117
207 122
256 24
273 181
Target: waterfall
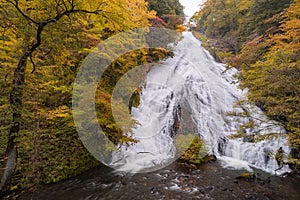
193 81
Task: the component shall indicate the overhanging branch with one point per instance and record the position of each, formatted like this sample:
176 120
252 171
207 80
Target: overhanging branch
15 3
42 24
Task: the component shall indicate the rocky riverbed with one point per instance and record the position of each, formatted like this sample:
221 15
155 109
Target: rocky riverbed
177 181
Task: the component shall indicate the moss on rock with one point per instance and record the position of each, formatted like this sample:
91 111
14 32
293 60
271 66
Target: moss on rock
195 151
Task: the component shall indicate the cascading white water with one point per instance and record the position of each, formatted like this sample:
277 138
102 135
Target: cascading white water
210 91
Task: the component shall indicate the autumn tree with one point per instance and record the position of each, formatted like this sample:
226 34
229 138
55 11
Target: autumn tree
166 7
171 11
263 16
234 22
274 79
38 32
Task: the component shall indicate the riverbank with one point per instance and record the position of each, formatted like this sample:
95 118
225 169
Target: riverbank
177 181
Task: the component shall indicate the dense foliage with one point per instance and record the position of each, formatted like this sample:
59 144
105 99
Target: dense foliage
166 7
263 37
234 22
43 43
171 11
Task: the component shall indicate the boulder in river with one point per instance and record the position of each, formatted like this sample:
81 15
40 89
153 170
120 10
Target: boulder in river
248 176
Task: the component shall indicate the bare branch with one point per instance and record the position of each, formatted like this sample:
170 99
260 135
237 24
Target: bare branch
41 25
15 3
65 5
33 64
38 38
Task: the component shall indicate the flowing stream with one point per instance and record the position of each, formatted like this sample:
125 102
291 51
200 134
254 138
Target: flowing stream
194 82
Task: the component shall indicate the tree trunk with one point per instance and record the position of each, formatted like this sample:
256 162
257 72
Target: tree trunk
10 160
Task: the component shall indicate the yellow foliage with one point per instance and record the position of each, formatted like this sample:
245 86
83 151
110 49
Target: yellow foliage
180 28
48 147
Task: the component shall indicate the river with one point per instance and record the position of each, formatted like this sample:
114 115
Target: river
177 181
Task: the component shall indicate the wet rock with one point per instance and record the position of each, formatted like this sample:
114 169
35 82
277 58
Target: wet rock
210 188
247 176
193 166
248 196
222 143
261 183
249 138
154 190
210 158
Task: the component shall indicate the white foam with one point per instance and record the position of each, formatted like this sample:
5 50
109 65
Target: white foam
232 163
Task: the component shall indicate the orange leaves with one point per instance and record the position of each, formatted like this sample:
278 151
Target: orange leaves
180 28
158 22
250 53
